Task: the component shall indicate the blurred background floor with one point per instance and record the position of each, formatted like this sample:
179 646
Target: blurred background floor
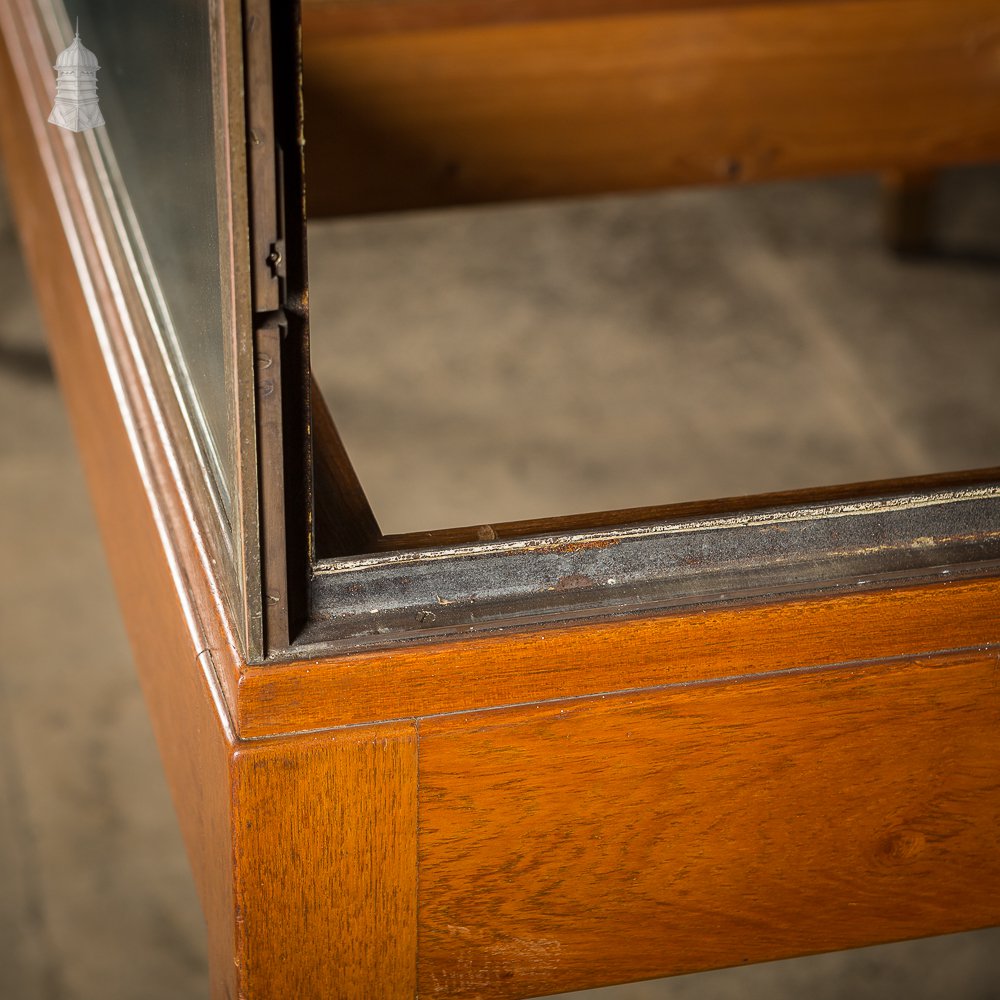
541 359
96 899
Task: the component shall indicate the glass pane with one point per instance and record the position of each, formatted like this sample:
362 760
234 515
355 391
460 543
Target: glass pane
159 143
511 362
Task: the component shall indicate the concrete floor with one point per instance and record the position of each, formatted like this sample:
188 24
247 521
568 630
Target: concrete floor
545 359
96 900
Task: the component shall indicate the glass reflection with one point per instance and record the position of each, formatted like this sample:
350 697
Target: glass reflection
156 93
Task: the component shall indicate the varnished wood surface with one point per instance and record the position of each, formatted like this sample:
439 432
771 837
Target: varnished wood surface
623 838
614 655
344 521
326 850
704 94
366 17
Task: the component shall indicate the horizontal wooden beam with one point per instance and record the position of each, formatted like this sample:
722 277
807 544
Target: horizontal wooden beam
447 111
614 653
374 17
612 839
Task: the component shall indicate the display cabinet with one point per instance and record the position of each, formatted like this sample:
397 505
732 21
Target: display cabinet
519 758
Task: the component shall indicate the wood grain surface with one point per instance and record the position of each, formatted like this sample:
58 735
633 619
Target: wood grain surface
344 522
622 838
367 17
326 851
629 652
700 94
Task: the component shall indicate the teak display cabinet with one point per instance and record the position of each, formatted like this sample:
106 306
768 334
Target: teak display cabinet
518 759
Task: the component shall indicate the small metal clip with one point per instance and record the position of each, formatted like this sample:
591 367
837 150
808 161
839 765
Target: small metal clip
276 258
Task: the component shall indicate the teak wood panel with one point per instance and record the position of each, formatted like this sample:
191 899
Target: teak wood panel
697 93
326 865
608 840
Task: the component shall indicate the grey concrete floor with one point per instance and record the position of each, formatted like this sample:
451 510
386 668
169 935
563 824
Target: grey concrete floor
545 359
96 900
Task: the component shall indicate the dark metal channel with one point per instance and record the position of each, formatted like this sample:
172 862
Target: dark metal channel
278 269
869 542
